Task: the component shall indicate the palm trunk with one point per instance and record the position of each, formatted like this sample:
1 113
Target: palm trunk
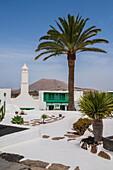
71 64
97 130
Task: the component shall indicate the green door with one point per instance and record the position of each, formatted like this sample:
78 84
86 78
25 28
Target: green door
51 107
62 107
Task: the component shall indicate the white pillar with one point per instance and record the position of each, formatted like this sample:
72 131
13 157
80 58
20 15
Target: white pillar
24 80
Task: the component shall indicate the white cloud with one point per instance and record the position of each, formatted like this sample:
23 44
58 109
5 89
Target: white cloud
91 70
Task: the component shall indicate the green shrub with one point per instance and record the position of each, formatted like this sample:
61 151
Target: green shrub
17 120
81 125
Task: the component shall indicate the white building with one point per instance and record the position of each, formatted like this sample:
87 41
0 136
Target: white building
24 100
58 99
5 96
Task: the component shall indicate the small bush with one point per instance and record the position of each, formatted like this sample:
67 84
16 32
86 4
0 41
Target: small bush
81 125
44 116
22 112
17 120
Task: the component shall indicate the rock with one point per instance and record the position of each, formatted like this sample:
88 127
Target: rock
18 166
77 168
84 146
52 115
93 149
104 155
11 157
58 167
89 140
35 168
5 165
58 138
45 136
33 163
72 133
71 139
71 136
34 124
26 122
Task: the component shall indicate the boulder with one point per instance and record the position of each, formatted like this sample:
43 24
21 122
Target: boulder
35 168
77 168
33 163
55 166
94 149
11 157
71 139
89 140
104 155
71 136
84 146
58 138
45 136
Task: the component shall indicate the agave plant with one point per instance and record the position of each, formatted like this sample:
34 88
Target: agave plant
98 106
17 120
70 38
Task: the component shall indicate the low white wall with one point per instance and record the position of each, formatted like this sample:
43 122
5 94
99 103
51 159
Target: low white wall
20 136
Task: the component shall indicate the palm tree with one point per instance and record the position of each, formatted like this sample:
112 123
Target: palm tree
70 39
97 105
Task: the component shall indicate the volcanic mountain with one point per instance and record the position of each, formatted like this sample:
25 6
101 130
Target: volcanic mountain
44 84
48 84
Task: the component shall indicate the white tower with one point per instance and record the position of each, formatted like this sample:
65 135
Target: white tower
24 101
24 80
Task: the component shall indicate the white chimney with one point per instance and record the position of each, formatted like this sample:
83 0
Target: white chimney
24 80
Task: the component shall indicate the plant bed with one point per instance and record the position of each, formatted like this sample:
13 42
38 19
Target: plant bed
5 130
108 143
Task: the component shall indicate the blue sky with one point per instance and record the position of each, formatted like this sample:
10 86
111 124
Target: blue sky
23 22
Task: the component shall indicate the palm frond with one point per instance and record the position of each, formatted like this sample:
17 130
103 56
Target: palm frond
91 49
49 51
70 37
59 26
99 41
54 54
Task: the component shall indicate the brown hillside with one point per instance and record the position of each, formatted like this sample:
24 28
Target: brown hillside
47 84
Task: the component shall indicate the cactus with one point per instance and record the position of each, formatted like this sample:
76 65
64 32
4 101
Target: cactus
2 111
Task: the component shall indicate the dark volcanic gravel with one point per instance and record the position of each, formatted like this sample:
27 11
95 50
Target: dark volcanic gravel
5 130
